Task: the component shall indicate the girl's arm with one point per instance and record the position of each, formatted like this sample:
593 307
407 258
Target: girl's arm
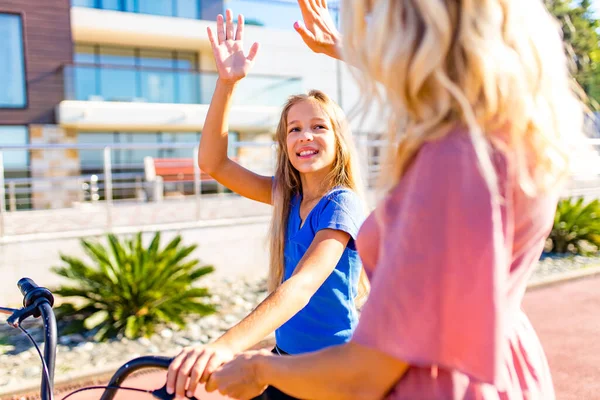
290 297
232 66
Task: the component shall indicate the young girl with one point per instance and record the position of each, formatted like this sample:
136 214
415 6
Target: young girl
481 92
317 211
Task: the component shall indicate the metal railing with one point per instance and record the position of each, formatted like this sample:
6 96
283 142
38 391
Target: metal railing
68 187
113 182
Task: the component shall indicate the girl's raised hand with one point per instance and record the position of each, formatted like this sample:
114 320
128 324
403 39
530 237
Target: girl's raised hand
232 63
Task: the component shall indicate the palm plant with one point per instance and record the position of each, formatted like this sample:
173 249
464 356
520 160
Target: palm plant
576 227
130 289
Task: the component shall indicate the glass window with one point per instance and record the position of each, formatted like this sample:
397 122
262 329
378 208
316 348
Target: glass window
118 84
281 15
12 63
134 158
110 4
187 60
131 6
85 53
156 7
156 58
158 86
187 8
188 88
133 74
208 82
117 56
12 135
83 3
180 137
94 158
86 82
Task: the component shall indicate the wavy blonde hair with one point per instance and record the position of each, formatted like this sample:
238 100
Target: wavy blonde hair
497 67
345 173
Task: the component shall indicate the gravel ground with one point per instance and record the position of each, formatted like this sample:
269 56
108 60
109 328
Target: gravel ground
554 264
19 363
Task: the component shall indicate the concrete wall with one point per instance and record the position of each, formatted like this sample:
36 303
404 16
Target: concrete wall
235 248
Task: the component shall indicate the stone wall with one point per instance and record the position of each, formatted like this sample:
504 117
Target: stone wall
57 169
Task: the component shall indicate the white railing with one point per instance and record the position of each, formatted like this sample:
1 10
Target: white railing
66 187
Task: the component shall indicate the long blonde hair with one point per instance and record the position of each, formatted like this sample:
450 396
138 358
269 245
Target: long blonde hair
497 67
345 173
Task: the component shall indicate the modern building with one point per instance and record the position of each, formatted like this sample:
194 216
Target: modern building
141 71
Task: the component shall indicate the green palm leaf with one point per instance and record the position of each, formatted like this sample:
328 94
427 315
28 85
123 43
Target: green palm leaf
129 289
576 227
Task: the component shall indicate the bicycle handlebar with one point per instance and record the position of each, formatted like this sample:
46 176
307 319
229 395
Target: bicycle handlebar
32 292
38 301
136 364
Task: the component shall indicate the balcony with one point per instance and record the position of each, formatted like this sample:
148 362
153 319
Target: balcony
278 14
91 82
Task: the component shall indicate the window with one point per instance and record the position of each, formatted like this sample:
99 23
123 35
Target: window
83 3
134 157
154 7
85 54
279 14
12 62
193 138
14 135
109 4
128 159
187 8
133 74
93 159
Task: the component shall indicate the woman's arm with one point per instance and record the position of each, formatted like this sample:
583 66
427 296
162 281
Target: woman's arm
290 297
350 371
232 66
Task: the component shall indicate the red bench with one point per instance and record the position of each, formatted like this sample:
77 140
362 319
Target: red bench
176 170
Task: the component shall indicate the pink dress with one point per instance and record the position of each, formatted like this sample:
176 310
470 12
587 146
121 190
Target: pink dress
446 295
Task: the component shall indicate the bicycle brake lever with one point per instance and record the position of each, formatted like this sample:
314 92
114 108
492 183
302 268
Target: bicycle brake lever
21 314
8 311
163 395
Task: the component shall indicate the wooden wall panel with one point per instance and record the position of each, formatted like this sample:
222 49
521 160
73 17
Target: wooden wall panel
48 47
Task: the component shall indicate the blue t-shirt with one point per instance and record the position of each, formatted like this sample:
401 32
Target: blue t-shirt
330 317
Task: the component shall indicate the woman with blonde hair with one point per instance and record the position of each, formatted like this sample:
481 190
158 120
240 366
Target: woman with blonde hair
483 116
315 277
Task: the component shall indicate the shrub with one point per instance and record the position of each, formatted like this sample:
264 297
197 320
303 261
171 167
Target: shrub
576 227
130 289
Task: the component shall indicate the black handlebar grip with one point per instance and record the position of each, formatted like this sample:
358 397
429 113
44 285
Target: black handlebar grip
26 286
32 292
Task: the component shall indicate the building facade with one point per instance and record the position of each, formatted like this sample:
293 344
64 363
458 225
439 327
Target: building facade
127 72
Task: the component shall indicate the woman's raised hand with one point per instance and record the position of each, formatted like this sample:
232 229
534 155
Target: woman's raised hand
232 63
318 30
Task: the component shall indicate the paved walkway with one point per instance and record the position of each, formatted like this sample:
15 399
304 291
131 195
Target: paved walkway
566 317
567 320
